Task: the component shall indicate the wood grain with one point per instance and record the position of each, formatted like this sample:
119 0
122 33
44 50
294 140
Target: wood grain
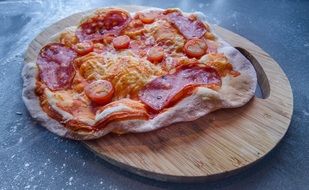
214 146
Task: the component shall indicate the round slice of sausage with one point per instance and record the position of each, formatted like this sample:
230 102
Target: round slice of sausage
155 54
121 42
83 48
148 17
195 48
100 91
55 66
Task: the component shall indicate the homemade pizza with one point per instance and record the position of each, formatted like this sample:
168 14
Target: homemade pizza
120 72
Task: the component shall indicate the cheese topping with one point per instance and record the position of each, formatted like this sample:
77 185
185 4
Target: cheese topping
53 100
128 74
111 110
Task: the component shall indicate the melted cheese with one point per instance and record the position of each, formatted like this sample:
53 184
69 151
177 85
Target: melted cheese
164 33
53 100
91 66
86 120
111 110
217 61
127 73
65 99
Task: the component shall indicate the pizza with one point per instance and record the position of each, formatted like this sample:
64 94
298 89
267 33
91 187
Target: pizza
119 71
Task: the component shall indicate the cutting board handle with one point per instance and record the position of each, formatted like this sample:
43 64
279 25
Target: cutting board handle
263 88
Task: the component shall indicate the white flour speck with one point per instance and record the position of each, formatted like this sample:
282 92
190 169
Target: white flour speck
70 181
27 164
13 129
16 177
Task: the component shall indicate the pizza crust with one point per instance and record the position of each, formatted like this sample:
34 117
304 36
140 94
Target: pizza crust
32 102
234 92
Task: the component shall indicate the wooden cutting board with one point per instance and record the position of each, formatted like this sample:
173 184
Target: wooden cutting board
217 145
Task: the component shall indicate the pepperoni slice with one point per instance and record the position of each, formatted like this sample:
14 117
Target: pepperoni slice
103 23
189 28
167 90
55 65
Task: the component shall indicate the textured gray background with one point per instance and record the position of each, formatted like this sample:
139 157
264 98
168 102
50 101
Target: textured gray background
33 158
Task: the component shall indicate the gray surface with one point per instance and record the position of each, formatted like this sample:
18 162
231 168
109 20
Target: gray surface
33 158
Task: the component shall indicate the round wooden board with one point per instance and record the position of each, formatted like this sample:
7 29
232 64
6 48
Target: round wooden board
214 146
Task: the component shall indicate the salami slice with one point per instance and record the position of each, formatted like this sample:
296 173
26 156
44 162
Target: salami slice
102 24
55 65
167 90
189 28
